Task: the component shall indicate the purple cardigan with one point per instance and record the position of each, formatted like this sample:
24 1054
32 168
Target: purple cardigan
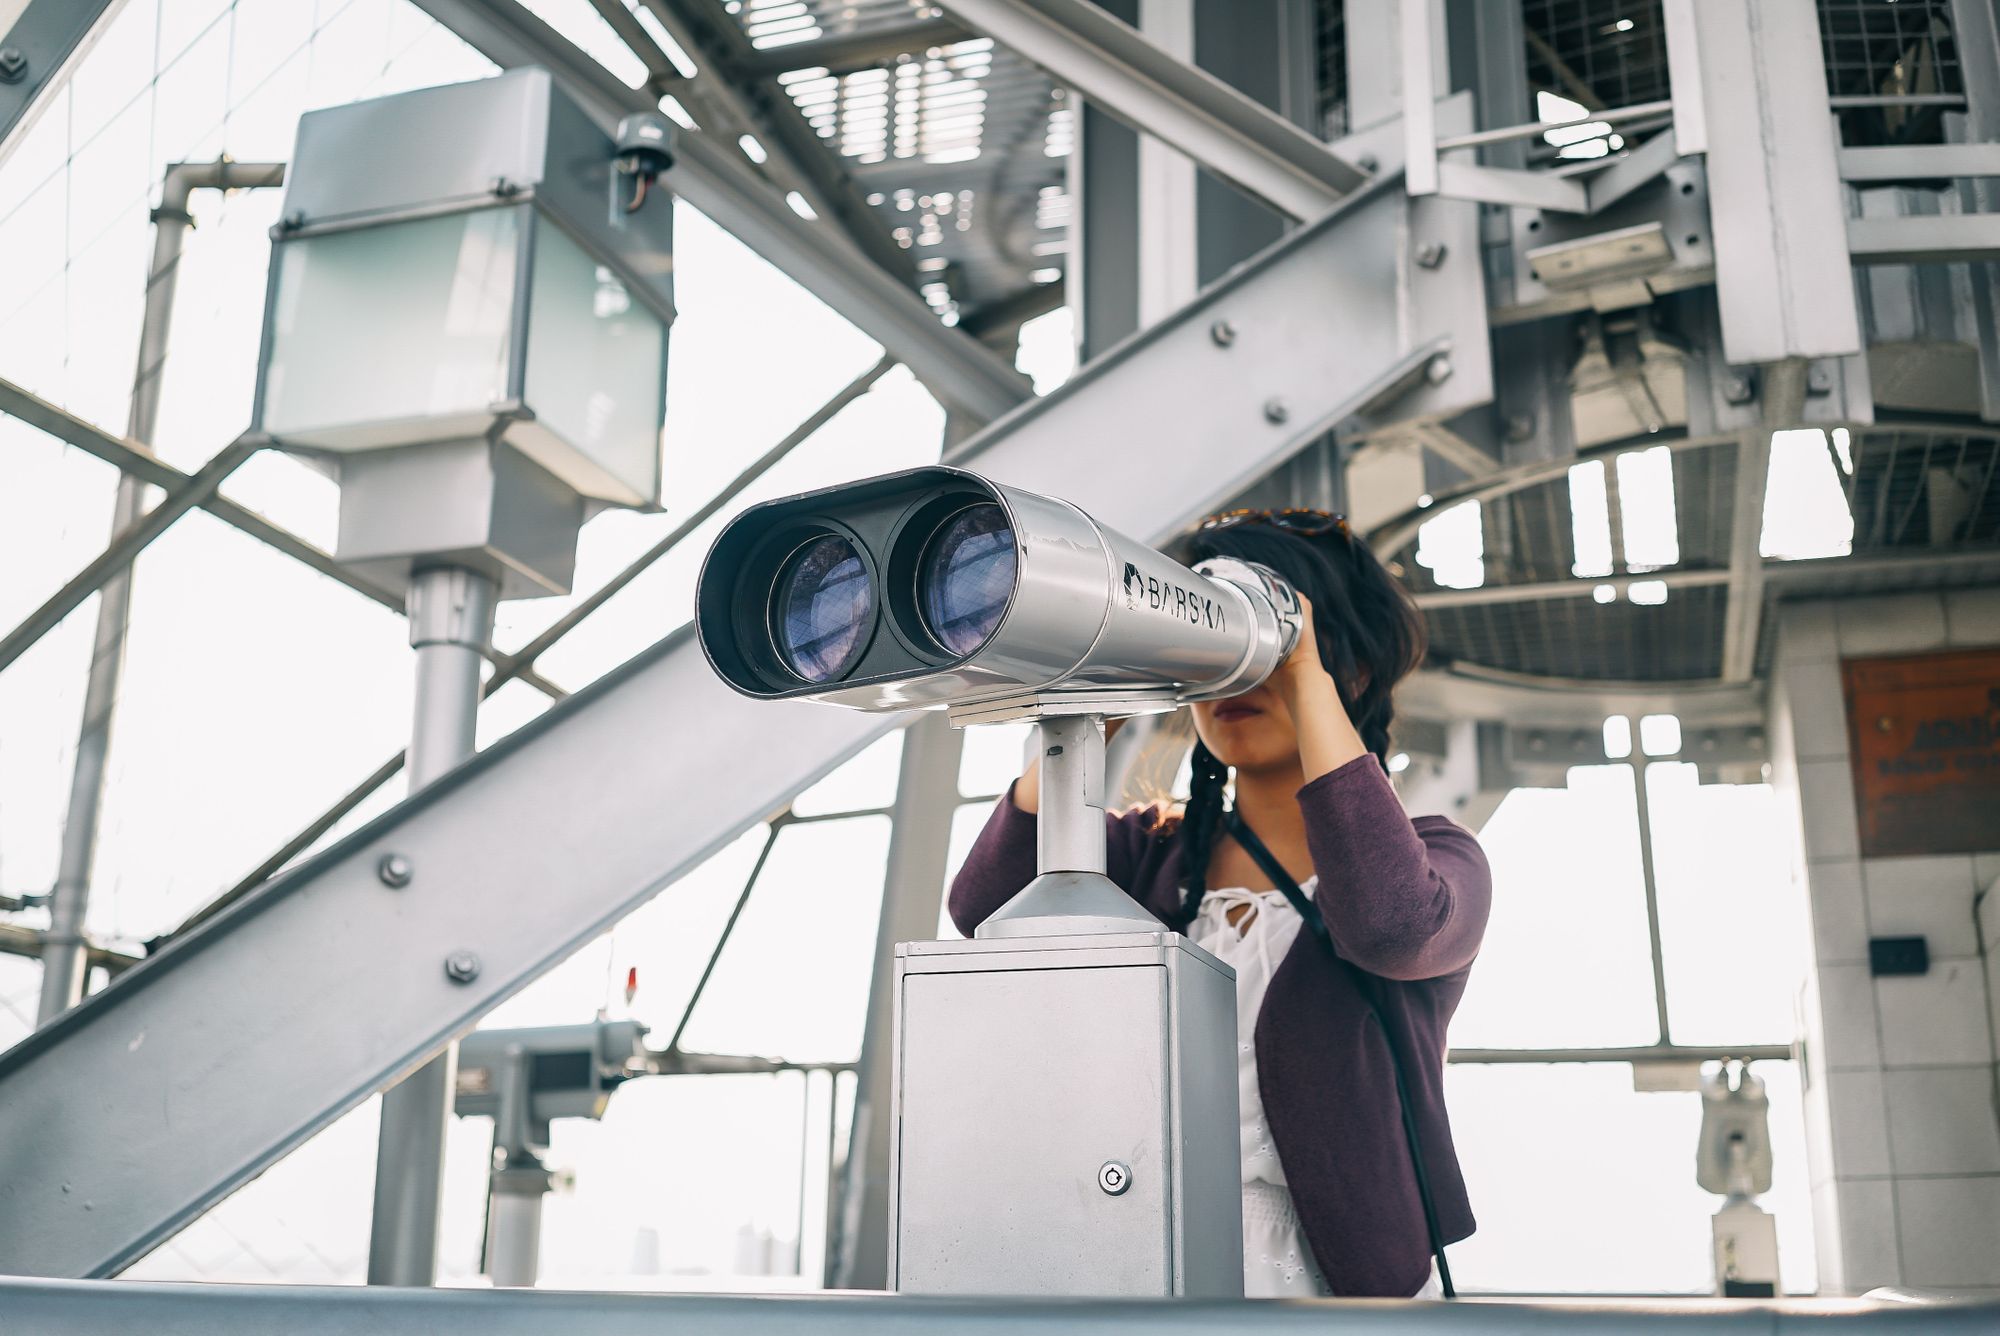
1405 900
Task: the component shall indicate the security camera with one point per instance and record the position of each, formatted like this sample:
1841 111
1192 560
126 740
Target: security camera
936 587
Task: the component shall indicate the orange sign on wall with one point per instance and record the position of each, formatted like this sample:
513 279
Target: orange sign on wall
1924 731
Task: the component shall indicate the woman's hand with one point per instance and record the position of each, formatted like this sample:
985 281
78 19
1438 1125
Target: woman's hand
1302 666
1327 737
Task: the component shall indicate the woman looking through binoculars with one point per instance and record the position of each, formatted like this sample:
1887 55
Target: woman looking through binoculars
1351 926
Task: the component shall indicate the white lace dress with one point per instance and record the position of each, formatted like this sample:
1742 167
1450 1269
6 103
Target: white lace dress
1276 1261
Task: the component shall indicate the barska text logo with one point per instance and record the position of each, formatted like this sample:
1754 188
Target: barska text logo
1163 596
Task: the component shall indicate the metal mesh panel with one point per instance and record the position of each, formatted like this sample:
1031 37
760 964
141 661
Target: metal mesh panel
1601 53
1331 29
1911 492
1575 638
1888 48
1704 499
775 23
960 147
1916 490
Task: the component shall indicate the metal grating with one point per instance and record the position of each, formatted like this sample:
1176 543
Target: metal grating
1575 639
1600 53
1912 492
1330 28
1889 48
959 146
1917 490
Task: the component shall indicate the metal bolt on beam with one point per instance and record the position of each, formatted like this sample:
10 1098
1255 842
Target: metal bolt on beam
1431 254
1223 333
1438 370
13 65
461 967
395 870
1276 410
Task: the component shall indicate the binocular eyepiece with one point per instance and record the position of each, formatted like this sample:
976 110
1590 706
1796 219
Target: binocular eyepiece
936 587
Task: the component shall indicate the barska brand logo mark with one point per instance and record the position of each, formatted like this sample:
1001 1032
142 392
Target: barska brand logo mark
1165 596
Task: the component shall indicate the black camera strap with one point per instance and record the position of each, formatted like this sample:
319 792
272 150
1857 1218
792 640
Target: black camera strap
1370 991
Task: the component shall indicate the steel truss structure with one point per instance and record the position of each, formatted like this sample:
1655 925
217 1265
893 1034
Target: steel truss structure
1690 244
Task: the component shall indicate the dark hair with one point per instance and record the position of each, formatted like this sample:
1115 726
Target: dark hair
1370 636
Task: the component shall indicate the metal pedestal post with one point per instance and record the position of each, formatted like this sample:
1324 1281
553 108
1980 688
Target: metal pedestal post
1070 893
451 627
64 960
514 1223
1069 831
519 1180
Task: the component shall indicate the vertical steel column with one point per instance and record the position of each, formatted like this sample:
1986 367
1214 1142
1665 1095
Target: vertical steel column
64 969
1168 257
1069 832
451 628
912 893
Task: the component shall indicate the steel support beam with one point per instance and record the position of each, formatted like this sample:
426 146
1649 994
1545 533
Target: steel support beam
96 1163
1681 23
1234 136
44 36
715 178
1913 162
1782 402
912 895
1925 238
1783 279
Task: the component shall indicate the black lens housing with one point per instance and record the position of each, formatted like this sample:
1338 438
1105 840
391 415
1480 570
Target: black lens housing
890 521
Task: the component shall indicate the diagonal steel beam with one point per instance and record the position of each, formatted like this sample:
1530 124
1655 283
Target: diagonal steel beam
127 545
44 37
250 1028
1234 136
132 458
137 461
507 667
715 179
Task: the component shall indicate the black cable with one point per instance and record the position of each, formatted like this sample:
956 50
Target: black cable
1309 912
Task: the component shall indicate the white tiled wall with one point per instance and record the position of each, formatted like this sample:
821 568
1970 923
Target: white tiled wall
1903 1130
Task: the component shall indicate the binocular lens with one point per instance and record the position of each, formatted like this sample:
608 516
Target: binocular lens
824 607
967 577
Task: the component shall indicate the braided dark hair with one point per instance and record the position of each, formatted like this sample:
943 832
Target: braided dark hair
1370 636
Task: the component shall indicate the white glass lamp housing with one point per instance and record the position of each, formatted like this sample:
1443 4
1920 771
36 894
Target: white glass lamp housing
491 323
466 324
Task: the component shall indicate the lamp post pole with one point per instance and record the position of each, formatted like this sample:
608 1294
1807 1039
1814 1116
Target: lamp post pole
451 628
64 947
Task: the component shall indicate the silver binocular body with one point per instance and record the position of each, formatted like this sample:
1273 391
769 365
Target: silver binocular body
936 587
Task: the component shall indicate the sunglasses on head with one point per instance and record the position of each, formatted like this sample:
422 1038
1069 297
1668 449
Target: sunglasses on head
1304 521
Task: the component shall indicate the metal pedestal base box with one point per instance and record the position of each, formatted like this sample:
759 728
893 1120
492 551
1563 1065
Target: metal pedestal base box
1066 1118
